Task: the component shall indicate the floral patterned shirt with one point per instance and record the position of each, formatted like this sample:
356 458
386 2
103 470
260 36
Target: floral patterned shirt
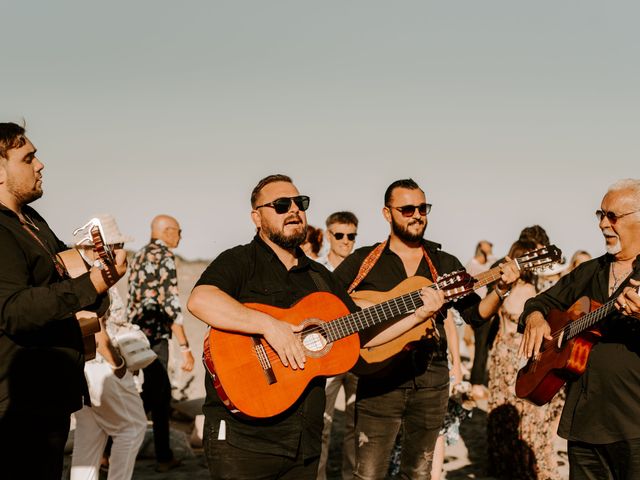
153 291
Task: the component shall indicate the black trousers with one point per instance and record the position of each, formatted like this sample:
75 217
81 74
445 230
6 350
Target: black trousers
227 462
32 446
609 461
483 335
156 396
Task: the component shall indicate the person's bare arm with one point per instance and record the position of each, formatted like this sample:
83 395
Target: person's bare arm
185 350
214 307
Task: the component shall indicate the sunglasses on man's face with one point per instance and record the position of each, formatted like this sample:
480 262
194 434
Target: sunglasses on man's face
408 210
283 204
339 235
611 216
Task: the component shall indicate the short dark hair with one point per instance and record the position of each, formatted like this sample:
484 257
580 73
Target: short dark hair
407 183
347 218
536 234
266 181
11 136
314 237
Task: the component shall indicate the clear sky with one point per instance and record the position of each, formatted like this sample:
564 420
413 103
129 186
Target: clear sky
507 113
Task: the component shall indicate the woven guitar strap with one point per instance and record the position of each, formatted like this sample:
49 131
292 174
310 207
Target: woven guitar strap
60 268
372 259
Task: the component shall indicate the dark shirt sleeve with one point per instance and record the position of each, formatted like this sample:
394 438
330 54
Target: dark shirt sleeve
562 295
348 269
226 272
338 290
25 308
467 306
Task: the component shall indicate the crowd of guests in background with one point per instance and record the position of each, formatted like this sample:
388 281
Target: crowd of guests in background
397 421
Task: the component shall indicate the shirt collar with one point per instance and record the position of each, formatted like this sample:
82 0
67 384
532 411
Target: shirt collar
157 241
426 244
303 260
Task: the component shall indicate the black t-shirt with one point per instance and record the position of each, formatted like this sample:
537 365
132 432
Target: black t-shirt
253 273
425 366
603 404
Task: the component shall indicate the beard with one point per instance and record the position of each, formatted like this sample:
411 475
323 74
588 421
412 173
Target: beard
290 241
22 196
405 234
616 247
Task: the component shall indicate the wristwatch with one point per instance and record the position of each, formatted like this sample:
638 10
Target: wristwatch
502 295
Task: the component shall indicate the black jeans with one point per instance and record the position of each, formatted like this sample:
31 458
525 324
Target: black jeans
420 411
609 461
156 396
32 446
483 337
227 462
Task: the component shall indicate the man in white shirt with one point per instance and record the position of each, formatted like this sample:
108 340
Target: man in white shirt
342 229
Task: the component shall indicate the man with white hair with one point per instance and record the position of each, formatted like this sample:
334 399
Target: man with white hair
601 416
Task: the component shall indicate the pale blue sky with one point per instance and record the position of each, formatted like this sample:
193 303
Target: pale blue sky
507 113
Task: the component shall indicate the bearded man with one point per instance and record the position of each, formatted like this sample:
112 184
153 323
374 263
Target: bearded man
412 391
271 270
601 416
41 348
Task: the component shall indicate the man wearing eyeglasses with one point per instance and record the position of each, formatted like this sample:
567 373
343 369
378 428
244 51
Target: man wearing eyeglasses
413 390
342 229
601 415
154 305
272 270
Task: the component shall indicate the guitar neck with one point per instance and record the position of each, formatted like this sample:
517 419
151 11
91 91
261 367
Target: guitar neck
485 278
590 319
371 316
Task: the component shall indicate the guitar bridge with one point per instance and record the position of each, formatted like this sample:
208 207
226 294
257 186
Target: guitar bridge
265 363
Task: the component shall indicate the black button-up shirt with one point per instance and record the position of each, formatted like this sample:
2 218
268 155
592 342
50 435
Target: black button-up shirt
603 404
254 274
41 351
426 365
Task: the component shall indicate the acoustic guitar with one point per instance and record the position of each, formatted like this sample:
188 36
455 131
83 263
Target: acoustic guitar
565 357
91 234
248 374
375 359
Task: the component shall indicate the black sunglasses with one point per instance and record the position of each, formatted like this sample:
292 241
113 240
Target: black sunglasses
611 216
408 210
283 204
339 235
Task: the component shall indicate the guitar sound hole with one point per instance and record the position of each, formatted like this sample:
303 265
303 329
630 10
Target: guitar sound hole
314 342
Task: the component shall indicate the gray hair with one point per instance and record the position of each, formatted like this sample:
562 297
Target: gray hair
632 184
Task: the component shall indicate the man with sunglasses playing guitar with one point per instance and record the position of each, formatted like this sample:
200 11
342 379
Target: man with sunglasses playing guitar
601 416
413 389
271 270
41 349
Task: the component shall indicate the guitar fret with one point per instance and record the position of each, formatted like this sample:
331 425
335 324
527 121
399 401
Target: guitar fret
589 319
331 331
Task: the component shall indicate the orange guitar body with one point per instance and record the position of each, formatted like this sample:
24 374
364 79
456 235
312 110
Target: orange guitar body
375 359
248 374
559 361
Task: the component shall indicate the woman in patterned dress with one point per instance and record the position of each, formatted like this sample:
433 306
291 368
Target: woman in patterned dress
520 435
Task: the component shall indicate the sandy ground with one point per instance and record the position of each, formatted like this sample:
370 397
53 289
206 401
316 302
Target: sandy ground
465 460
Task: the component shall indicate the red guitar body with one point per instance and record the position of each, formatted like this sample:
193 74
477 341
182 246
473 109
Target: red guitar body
558 361
247 373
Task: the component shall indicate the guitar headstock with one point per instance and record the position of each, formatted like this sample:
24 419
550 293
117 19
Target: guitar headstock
92 233
455 285
540 258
